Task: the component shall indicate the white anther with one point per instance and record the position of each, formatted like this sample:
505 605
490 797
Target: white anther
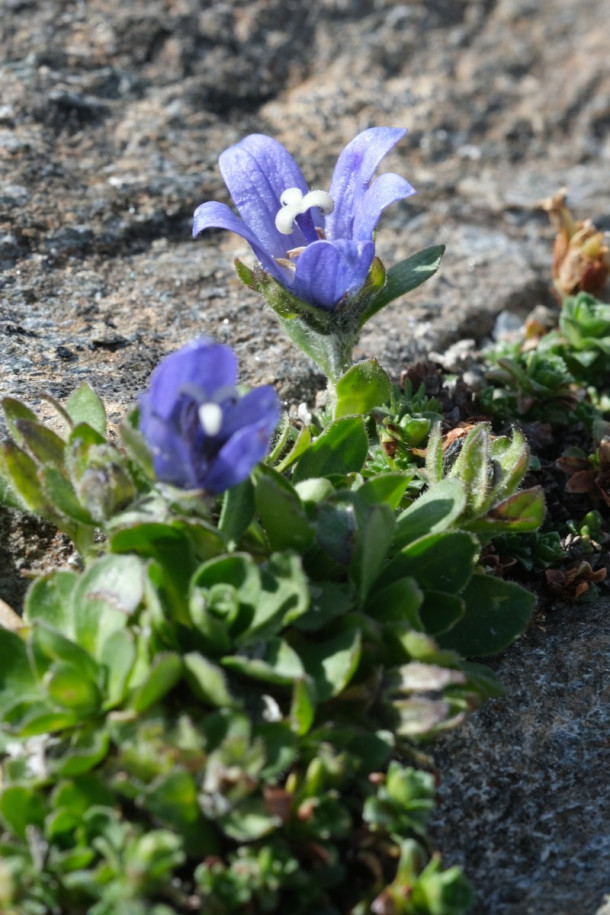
210 417
295 204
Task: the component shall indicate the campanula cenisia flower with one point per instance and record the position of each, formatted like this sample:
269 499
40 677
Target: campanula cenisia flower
201 432
317 244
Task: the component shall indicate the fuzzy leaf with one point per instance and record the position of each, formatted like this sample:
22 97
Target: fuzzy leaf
340 449
363 387
84 406
403 277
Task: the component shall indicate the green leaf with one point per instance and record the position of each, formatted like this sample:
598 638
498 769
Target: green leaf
165 671
86 748
22 473
136 447
282 514
17 679
118 658
248 821
84 406
438 562
51 645
62 494
207 681
237 510
67 687
440 611
519 513
400 600
279 665
44 444
48 600
403 277
21 807
363 387
333 663
14 410
438 508
303 707
385 487
472 468
283 599
240 575
374 536
105 596
342 448
496 614
301 444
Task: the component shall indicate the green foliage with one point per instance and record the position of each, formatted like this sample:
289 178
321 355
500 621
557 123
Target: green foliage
214 715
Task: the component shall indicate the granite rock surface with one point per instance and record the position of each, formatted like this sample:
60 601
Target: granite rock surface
112 117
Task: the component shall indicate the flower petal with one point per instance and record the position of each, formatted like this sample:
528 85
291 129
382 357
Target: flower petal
239 455
384 190
326 271
260 404
213 215
353 173
257 171
200 364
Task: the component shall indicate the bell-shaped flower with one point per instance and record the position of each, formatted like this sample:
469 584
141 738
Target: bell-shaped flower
317 244
201 432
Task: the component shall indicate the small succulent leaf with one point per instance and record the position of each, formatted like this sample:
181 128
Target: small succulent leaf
281 512
388 488
496 613
434 455
482 679
48 600
280 664
14 410
442 561
523 511
207 681
437 510
363 387
41 718
22 473
86 748
332 664
166 669
105 596
440 611
238 508
342 448
303 706
283 599
302 443
404 277
22 807
84 406
118 658
68 688
9 495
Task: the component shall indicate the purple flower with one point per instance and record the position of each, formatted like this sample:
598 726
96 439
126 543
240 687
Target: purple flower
202 434
319 245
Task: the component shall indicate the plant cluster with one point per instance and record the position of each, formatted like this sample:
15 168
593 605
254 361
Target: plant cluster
222 707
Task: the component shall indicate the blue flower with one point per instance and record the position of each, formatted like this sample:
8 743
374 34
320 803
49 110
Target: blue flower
202 434
318 245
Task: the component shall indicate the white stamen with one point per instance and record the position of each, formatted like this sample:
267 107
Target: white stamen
210 417
294 204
